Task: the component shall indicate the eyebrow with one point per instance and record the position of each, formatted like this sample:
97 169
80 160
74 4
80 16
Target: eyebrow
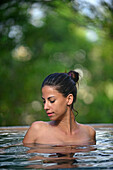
48 97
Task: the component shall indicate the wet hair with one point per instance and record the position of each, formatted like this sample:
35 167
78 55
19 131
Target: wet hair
64 83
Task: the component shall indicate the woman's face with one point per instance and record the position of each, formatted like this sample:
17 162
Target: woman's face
55 104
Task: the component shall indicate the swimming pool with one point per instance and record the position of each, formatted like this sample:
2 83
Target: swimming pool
13 155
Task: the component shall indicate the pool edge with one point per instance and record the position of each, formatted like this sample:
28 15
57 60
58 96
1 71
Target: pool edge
97 125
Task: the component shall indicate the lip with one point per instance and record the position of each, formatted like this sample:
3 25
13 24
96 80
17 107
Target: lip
50 114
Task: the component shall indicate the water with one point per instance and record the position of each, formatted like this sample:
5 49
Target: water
13 155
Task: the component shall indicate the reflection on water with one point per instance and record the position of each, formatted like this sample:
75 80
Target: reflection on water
14 155
57 156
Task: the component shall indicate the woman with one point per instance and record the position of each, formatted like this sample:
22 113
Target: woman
59 94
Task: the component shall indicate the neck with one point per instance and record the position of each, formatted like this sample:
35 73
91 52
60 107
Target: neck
67 124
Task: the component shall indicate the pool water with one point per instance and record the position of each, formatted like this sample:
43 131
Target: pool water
13 155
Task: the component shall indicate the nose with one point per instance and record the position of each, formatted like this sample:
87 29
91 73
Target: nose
46 106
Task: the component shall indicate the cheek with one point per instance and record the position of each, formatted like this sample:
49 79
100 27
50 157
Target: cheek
61 106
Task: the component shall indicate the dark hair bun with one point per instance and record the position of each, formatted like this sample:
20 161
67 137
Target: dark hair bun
74 75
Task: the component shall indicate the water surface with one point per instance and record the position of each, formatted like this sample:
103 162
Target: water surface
13 155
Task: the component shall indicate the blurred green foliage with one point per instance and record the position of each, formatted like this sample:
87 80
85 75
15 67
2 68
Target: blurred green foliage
42 37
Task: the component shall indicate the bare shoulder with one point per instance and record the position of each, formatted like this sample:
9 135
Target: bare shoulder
38 124
89 130
34 131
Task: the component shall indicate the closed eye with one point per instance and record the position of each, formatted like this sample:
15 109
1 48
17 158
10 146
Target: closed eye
43 100
52 101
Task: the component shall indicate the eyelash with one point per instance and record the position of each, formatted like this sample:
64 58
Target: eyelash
50 101
43 101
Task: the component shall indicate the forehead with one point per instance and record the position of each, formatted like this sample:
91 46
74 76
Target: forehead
50 90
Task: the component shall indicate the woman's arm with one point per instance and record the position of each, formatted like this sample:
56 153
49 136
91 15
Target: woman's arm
31 134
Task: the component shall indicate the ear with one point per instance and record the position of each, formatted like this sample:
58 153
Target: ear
69 99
